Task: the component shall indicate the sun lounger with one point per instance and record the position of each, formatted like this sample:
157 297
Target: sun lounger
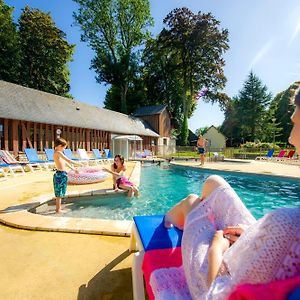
108 155
267 156
98 156
34 160
8 158
84 157
280 156
159 248
153 241
49 154
148 153
68 153
290 154
12 167
3 173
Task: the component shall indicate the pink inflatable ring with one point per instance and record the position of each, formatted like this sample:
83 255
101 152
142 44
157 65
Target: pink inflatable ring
86 175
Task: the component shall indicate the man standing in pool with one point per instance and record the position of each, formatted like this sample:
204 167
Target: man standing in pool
201 144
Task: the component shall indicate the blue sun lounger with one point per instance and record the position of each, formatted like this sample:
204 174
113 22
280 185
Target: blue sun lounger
148 233
68 153
269 155
49 153
34 160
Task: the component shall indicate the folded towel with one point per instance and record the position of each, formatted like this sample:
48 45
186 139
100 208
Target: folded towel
164 275
275 290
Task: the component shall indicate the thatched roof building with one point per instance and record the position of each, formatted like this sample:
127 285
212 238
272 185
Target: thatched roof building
30 118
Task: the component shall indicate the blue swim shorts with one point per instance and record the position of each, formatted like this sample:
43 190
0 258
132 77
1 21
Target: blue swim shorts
201 150
60 182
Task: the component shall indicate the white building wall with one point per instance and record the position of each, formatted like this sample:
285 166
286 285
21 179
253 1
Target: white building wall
166 145
216 138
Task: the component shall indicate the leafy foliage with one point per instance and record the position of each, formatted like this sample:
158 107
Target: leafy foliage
245 116
9 45
114 29
186 57
283 111
162 80
251 116
44 53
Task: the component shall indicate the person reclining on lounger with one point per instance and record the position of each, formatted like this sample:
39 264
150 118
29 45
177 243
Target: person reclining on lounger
224 246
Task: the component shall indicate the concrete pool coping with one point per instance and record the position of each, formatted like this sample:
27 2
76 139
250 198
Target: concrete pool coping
269 169
19 216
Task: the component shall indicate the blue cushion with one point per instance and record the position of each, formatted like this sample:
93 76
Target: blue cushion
295 294
154 235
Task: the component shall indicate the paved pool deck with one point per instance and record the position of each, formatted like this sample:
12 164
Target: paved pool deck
58 265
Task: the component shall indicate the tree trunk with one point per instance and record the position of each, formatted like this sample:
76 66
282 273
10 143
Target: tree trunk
124 89
185 127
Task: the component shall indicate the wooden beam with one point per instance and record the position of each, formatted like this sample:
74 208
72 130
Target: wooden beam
41 144
46 136
77 138
6 142
34 135
73 139
26 135
24 142
88 139
15 136
53 133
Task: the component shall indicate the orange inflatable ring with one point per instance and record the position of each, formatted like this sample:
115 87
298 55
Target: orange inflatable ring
86 175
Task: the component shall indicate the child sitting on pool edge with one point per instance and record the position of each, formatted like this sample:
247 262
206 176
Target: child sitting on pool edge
60 177
119 179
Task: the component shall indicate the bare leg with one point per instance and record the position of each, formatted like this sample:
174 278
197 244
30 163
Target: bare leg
58 204
178 213
136 191
202 159
127 188
130 193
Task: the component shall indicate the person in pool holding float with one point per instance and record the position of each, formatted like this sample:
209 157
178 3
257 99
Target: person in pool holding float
119 179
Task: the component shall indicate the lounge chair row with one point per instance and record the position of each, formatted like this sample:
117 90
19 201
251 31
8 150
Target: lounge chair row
8 163
280 157
144 154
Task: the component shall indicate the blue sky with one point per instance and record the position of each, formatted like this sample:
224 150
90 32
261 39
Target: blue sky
264 36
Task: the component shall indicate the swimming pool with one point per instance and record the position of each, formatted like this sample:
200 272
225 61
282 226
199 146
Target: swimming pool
163 186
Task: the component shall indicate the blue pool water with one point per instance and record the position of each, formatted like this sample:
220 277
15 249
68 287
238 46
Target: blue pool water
163 186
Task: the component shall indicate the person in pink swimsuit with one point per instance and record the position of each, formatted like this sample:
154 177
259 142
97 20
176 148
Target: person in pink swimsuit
120 181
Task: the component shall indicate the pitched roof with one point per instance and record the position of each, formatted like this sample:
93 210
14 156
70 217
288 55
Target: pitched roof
149 110
192 136
212 126
21 103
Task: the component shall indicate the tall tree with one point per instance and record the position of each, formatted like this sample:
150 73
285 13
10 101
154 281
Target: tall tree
45 53
115 29
230 127
162 80
136 97
251 105
9 45
197 44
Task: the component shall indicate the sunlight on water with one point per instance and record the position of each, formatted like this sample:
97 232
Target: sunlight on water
163 186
